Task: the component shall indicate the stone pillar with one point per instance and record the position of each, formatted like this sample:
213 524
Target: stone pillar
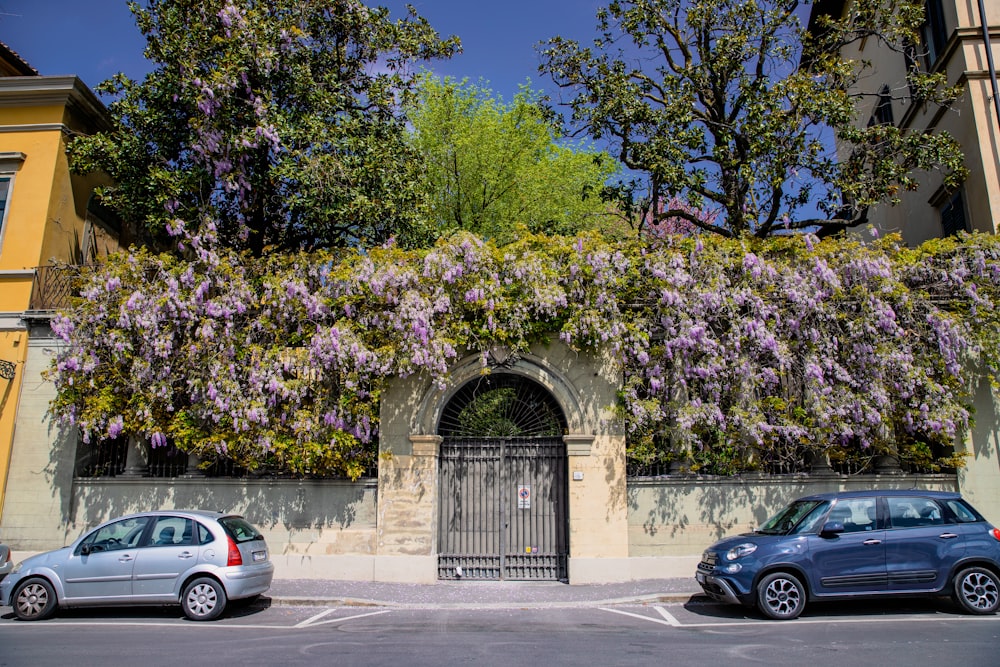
979 479
192 469
598 509
406 523
136 458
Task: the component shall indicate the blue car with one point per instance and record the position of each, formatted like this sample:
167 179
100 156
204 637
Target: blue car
859 544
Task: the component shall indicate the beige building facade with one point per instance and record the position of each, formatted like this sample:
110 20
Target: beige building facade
955 43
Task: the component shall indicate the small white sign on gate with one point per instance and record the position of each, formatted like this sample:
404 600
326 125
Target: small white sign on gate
523 497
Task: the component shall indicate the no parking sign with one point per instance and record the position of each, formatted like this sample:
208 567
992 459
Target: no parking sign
523 497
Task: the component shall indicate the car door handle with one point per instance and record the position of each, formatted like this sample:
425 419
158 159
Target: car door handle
185 554
871 542
125 558
947 536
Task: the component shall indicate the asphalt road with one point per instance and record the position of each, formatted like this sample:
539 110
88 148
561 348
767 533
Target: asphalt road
697 633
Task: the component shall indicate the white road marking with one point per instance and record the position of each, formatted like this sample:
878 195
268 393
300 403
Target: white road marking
645 618
145 624
667 615
325 612
314 620
308 623
670 620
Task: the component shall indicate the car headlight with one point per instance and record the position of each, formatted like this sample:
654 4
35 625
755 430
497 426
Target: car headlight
17 567
741 550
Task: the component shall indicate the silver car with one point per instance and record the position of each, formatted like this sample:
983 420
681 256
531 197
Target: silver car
194 558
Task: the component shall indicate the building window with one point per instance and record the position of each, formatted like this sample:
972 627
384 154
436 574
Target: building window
953 215
933 32
5 186
10 163
882 115
4 190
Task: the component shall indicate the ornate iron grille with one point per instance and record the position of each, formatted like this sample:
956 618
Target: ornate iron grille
502 405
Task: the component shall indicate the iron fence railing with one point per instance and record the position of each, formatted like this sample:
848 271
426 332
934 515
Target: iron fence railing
860 465
108 459
53 287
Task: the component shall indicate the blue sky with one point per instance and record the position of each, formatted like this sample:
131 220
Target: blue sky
94 39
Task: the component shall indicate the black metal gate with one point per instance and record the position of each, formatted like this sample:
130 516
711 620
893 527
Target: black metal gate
503 509
502 489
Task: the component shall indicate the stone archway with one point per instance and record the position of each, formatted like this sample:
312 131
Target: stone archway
582 386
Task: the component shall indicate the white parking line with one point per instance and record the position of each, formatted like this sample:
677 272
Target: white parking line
645 618
314 620
308 623
670 620
667 615
58 623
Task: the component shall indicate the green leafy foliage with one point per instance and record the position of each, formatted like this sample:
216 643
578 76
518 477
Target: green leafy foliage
269 125
722 104
735 354
493 167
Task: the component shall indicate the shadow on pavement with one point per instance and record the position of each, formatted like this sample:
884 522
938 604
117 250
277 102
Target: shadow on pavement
234 609
706 608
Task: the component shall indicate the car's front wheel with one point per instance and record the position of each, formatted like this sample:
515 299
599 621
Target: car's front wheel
977 590
34 600
204 599
781 596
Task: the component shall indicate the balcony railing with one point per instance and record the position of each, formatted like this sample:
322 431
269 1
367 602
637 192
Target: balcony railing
52 287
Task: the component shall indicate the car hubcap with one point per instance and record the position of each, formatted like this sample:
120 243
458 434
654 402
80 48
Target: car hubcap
202 599
782 597
980 591
32 600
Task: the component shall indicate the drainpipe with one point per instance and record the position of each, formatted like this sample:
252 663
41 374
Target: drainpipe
989 61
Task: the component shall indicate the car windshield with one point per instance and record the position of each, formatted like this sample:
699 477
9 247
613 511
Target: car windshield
801 516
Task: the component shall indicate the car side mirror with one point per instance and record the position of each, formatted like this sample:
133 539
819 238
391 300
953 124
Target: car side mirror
85 550
832 528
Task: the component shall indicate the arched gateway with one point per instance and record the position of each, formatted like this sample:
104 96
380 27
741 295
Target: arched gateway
502 491
514 470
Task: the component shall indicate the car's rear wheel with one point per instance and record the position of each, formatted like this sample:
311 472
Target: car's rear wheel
34 600
977 590
204 599
781 596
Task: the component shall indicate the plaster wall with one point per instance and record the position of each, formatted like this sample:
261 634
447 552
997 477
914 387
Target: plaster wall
672 519
971 121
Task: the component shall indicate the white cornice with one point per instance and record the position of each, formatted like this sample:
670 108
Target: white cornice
35 127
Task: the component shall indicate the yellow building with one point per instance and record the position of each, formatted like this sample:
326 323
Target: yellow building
46 214
954 42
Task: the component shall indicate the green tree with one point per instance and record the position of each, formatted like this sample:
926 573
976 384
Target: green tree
721 105
491 166
270 125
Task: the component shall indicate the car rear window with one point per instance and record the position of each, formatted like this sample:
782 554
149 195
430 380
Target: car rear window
240 529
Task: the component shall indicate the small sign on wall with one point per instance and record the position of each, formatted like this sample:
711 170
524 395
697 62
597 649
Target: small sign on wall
523 497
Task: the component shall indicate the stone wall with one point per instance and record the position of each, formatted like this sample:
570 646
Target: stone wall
672 519
386 529
321 529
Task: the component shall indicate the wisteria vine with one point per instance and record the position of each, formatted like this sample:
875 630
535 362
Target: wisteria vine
769 347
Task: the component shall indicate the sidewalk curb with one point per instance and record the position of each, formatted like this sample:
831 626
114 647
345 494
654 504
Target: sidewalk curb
299 601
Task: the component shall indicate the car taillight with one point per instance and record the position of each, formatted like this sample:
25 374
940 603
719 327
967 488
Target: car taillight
996 534
235 558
